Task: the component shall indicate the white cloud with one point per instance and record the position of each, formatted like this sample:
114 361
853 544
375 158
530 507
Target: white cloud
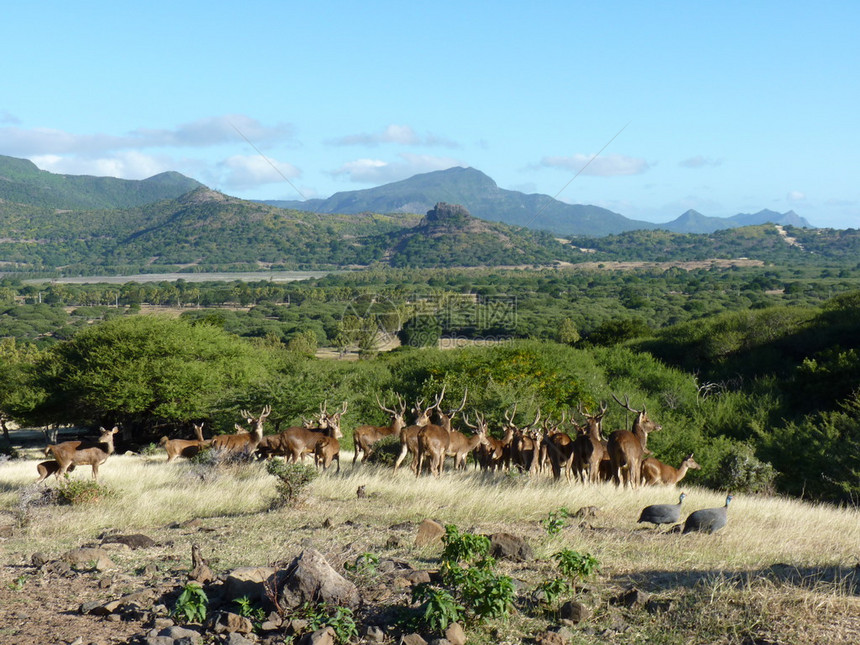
376 171
240 171
699 162
795 196
210 131
608 166
398 134
129 164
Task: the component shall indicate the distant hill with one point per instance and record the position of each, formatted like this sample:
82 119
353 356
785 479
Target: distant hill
449 236
484 199
481 196
22 182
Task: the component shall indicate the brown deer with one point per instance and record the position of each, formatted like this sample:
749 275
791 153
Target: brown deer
656 472
296 442
626 448
434 439
590 449
327 449
364 437
459 445
51 467
496 453
83 453
557 449
409 434
525 446
184 447
244 442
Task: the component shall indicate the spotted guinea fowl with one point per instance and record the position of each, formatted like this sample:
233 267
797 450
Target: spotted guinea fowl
658 514
708 520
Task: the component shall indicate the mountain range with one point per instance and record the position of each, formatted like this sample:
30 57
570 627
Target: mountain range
485 200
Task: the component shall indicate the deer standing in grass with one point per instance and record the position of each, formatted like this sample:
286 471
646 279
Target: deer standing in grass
656 472
525 446
497 452
244 442
409 434
184 447
51 467
626 448
590 448
297 441
434 439
83 453
326 450
557 448
364 437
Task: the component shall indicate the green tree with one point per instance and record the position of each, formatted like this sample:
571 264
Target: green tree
568 334
140 371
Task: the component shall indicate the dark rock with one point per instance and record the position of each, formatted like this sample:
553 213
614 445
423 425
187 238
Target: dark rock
39 559
574 611
135 541
94 608
504 546
550 638
634 598
375 635
417 577
658 606
310 578
393 542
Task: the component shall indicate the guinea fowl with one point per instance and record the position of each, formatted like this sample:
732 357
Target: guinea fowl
658 514
708 520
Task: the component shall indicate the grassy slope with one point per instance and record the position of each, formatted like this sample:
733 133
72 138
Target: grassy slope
694 572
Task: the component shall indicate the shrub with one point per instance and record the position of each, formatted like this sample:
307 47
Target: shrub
741 471
293 478
556 521
82 491
385 451
576 565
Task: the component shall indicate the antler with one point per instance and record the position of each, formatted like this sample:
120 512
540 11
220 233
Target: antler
382 407
626 404
510 419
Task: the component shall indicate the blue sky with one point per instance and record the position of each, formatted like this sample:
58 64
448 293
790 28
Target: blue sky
724 107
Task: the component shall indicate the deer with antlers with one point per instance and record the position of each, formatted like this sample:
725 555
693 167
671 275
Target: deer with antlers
496 453
297 441
557 448
590 448
244 442
184 447
655 471
434 439
525 446
626 448
83 453
409 434
365 436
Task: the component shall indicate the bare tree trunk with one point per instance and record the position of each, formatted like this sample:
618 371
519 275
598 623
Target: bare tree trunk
51 433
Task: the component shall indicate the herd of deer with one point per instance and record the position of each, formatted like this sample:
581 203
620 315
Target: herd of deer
623 457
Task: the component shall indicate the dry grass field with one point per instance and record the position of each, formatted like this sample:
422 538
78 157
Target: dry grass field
781 571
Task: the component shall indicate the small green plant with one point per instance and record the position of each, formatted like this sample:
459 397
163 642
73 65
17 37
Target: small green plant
463 547
82 491
340 619
576 565
150 450
18 583
470 588
553 589
292 480
364 567
191 604
248 610
556 521
440 607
